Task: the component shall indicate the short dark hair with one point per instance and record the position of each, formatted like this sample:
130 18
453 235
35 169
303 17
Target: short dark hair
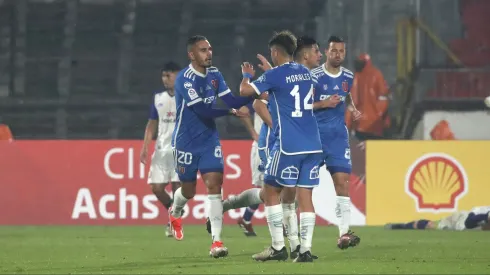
171 67
193 40
285 40
335 39
303 43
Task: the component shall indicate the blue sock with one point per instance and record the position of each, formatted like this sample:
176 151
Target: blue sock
475 220
410 225
422 224
249 212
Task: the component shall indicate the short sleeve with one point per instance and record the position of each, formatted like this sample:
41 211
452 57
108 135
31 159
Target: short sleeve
189 91
222 86
153 111
263 83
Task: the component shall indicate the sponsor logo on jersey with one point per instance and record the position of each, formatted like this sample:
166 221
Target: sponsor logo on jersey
192 94
345 86
214 82
436 182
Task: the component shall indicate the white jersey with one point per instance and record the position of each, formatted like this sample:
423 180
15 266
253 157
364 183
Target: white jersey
165 108
457 220
257 123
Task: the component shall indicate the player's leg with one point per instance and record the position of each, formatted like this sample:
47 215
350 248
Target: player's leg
157 181
278 175
418 224
186 167
211 168
309 177
290 219
339 165
250 198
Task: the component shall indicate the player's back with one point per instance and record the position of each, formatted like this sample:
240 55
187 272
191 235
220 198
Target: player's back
328 85
165 106
191 130
291 105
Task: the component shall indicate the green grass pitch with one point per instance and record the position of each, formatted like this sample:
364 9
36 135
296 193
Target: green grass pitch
145 250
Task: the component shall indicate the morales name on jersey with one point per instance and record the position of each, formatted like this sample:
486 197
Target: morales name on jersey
290 88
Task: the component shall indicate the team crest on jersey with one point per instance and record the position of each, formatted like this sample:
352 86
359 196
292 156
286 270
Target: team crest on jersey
325 86
187 85
345 86
214 82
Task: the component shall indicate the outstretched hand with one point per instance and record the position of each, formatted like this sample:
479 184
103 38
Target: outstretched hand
265 66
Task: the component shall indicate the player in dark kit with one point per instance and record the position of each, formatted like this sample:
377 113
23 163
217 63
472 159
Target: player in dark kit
195 138
291 163
334 86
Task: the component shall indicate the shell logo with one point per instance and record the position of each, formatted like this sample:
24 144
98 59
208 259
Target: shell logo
436 182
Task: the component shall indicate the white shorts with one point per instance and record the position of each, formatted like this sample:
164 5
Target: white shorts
454 222
257 176
162 168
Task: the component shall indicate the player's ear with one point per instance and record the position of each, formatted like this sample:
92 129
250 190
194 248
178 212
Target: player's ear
191 56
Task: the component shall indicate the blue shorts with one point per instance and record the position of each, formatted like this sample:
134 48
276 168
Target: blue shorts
336 152
205 159
292 170
264 156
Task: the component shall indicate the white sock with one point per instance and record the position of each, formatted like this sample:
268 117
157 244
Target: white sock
274 220
290 221
215 216
307 224
343 214
179 203
244 199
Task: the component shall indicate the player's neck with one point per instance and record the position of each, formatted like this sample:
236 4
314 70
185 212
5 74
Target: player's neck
198 68
171 92
304 64
283 60
331 69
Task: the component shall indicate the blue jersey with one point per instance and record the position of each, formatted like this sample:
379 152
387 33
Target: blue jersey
193 88
328 85
291 88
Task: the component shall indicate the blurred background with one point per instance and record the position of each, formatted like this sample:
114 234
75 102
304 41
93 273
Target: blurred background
86 69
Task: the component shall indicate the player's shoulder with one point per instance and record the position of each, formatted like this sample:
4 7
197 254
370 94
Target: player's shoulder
213 70
347 73
318 71
186 74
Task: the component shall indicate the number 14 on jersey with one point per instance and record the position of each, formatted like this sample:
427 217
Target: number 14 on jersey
298 112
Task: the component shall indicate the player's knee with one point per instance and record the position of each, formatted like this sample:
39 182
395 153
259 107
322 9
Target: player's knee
158 188
288 195
341 183
188 190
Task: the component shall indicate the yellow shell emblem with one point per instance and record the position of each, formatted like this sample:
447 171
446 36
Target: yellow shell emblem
436 182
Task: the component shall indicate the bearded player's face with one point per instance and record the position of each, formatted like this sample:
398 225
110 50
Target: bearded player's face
202 54
335 54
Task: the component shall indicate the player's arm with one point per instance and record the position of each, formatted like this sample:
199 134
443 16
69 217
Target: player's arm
247 121
260 106
330 102
227 96
150 130
195 102
256 88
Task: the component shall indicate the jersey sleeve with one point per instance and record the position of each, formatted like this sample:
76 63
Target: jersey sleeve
222 86
153 112
189 91
317 88
263 83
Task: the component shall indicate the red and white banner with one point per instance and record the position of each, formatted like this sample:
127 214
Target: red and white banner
103 183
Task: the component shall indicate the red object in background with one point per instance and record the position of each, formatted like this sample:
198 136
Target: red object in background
102 183
442 131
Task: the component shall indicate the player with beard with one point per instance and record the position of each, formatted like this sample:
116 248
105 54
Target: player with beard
334 86
195 138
